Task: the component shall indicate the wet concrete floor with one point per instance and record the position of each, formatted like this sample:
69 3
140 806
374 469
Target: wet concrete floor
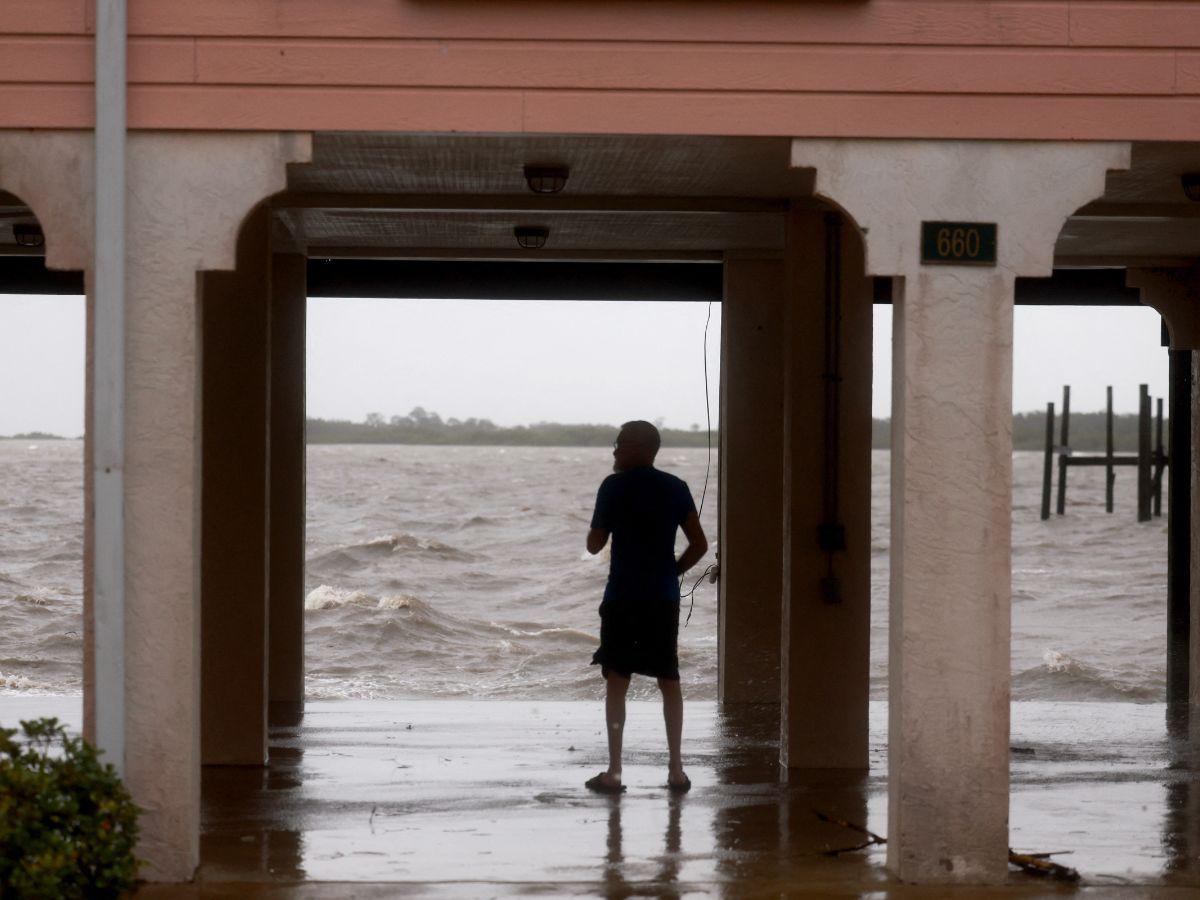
485 798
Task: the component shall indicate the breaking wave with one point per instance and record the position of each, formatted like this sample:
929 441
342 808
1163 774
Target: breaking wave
1062 676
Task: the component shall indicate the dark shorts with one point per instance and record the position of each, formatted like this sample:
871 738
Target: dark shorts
639 637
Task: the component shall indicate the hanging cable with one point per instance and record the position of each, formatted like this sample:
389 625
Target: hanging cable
709 570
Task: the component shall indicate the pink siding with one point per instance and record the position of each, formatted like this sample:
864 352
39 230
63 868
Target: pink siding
883 68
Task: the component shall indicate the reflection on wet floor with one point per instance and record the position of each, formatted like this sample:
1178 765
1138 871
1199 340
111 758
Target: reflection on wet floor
482 798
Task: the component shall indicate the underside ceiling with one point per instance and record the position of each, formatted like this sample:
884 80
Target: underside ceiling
632 197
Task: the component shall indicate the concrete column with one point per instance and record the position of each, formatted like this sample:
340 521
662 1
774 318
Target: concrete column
952 467
827 492
287 515
751 498
188 195
1175 294
235 362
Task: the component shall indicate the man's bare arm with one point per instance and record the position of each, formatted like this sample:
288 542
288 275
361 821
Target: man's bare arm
697 544
596 540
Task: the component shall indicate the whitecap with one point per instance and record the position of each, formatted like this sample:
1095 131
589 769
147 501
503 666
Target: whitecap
326 597
397 601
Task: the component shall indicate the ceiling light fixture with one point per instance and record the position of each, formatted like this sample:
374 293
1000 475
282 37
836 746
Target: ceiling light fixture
531 237
1191 185
28 235
546 179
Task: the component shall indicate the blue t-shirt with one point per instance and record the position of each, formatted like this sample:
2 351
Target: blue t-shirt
642 508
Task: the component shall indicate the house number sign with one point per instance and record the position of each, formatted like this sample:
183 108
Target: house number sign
958 243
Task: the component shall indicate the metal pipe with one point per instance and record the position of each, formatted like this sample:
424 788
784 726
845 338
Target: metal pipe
108 401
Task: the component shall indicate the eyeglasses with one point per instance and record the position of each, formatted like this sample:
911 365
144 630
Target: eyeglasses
617 445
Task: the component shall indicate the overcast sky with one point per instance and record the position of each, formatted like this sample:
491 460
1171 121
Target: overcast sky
519 362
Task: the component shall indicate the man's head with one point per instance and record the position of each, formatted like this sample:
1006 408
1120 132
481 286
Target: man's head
636 445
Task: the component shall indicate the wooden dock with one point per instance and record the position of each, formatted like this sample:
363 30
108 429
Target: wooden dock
1151 459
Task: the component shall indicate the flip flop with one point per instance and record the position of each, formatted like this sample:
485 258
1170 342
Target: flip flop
600 786
681 787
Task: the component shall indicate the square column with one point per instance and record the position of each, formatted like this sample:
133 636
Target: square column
188 195
1175 294
950 590
235 362
287 497
751 460
949 642
826 632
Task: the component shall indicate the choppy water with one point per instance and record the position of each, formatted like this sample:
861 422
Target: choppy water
460 571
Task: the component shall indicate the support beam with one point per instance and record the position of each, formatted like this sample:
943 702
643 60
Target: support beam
287 497
1175 294
827 491
1179 537
751 460
235 363
950 592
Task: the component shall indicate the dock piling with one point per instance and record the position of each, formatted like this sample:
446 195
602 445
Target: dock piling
1048 465
1064 450
1110 476
1144 454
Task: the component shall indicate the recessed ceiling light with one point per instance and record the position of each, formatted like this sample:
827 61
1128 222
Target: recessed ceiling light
531 237
546 179
28 235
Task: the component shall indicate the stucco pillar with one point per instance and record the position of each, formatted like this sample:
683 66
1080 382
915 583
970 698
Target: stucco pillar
827 492
950 596
751 474
188 195
287 515
235 362
1175 294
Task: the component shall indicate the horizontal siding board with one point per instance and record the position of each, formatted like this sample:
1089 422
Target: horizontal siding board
883 116
46 106
996 22
616 112
43 17
323 109
493 64
1187 73
71 60
1135 24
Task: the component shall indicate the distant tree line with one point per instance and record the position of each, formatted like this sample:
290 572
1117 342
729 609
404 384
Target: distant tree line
1029 432
423 427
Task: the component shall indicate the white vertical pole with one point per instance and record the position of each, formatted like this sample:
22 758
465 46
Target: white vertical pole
108 422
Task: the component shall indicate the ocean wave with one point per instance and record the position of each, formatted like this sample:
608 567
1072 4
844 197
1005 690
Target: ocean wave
13 683
37 597
572 634
1063 677
327 597
385 546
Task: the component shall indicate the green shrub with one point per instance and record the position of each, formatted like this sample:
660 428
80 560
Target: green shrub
67 824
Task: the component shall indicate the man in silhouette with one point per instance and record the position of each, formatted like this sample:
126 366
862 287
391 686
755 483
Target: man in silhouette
641 508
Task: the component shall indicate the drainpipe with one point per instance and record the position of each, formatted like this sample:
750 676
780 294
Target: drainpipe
108 402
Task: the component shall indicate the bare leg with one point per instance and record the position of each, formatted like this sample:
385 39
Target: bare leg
672 696
614 718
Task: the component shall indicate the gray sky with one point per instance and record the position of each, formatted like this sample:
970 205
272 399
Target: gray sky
518 362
